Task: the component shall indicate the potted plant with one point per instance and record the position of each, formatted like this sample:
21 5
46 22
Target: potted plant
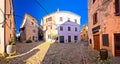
54 37
10 47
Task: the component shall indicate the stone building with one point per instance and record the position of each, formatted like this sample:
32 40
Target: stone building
104 25
40 33
7 24
62 24
84 33
29 28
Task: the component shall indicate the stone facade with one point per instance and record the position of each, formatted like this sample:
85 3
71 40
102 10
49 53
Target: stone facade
7 24
29 28
58 23
84 33
104 25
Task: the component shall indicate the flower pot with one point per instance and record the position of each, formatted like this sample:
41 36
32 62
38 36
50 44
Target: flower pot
9 49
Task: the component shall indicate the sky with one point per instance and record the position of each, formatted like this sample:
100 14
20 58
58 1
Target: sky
40 8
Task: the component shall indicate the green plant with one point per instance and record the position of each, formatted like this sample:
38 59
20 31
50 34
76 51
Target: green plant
28 41
12 42
54 37
106 62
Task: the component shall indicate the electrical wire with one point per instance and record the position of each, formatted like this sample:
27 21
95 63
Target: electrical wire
41 6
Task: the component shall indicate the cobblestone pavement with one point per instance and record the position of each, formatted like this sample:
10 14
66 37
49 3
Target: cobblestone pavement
32 54
56 53
70 53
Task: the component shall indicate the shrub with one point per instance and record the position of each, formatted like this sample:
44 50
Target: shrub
28 41
54 37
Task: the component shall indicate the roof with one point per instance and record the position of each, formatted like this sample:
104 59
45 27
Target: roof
27 15
63 12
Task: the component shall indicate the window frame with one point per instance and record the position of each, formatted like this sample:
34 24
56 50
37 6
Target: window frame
95 18
69 28
61 18
61 28
105 40
94 1
117 7
75 20
75 29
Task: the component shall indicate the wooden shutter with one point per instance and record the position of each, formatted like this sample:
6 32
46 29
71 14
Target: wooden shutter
93 1
117 7
95 18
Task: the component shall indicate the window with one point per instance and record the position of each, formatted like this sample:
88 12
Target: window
10 36
75 28
46 19
95 20
34 31
46 27
75 37
50 27
94 1
49 36
68 19
50 19
61 19
10 24
61 28
90 41
117 7
105 40
32 23
69 29
75 21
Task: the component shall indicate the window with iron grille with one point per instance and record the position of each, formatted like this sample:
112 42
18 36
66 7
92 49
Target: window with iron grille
105 39
117 7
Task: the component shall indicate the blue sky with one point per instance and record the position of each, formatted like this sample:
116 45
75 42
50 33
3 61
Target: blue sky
21 7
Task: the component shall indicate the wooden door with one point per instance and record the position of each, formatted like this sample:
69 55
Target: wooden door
69 38
61 39
117 44
96 42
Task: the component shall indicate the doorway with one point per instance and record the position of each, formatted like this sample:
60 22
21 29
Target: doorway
69 38
117 44
61 39
96 42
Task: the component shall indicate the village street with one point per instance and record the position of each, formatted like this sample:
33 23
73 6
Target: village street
53 53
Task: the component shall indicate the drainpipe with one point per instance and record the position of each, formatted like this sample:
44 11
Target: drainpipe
4 26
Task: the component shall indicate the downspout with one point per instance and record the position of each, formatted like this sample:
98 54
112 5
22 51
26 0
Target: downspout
5 26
